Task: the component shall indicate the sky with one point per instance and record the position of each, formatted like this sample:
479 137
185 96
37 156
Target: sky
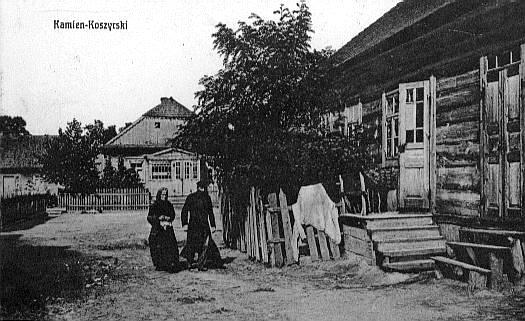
50 76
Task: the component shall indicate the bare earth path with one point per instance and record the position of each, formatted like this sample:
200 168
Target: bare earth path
89 267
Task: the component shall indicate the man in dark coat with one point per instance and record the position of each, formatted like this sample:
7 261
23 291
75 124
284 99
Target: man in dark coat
199 239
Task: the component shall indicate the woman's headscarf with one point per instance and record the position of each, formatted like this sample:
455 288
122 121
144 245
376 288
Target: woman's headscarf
159 194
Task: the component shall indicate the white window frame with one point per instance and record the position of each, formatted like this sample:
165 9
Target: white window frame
390 116
160 170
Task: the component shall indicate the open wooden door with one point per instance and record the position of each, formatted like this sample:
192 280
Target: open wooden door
502 129
414 156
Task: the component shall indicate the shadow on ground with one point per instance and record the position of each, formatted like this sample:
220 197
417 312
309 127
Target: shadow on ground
26 224
32 276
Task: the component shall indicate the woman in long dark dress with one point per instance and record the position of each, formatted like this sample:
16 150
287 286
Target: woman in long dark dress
162 241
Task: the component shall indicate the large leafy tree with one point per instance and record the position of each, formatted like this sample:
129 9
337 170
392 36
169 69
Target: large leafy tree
69 159
259 116
13 126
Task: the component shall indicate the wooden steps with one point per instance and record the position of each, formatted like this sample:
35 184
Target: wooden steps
410 266
410 243
399 232
401 242
404 242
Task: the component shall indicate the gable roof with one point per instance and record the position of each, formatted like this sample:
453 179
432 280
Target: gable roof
169 107
22 152
403 15
171 150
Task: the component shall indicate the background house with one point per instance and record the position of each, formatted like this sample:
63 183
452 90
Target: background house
145 147
20 168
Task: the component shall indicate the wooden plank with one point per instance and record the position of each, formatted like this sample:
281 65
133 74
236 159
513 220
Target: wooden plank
492 248
321 236
271 248
311 243
262 227
279 261
458 97
494 232
502 192
459 178
463 265
255 225
334 249
287 228
456 133
432 145
522 126
496 269
457 202
517 258
458 115
476 281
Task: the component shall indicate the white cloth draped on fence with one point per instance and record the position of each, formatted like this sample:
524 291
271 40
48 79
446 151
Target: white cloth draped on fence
314 207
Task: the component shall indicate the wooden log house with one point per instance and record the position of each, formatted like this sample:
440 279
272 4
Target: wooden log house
442 85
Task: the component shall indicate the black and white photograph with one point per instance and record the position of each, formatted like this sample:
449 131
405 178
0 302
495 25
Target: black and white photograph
288 160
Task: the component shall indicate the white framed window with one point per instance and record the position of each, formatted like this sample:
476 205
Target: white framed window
178 172
391 125
187 169
195 173
161 170
353 116
414 115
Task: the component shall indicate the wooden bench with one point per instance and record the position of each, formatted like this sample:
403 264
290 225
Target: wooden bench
495 257
477 276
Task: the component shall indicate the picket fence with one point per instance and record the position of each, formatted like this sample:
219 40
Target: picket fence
21 207
106 199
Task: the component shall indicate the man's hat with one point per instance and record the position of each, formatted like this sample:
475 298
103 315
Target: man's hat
203 184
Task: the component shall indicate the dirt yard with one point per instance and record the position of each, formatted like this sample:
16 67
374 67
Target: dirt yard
97 266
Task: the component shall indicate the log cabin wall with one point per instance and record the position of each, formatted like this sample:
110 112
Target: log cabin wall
457 145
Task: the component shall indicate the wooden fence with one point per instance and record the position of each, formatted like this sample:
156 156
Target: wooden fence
107 199
22 207
264 231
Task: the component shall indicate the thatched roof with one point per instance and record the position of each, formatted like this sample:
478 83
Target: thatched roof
21 153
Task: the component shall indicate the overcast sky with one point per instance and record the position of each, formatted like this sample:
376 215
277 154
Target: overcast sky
50 76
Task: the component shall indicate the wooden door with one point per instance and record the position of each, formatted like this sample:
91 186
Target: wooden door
177 182
414 166
502 129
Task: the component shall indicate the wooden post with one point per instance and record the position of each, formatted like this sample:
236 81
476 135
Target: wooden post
321 236
262 226
272 200
287 228
496 269
312 245
476 281
271 247
483 148
517 258
432 144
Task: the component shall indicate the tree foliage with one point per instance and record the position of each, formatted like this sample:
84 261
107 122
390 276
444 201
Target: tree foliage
259 117
13 126
121 178
69 159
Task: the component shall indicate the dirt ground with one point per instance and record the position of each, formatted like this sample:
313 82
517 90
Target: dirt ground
97 266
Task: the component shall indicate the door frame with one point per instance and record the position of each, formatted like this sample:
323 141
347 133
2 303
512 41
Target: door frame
430 134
